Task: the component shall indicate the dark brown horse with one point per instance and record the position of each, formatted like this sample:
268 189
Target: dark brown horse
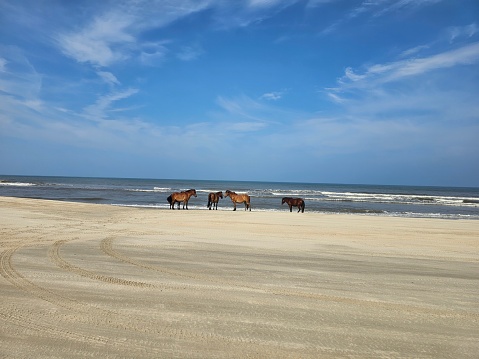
296 202
239 198
213 199
181 197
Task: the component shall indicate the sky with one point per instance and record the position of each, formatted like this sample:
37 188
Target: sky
320 91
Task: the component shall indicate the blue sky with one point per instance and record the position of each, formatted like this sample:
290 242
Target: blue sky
341 91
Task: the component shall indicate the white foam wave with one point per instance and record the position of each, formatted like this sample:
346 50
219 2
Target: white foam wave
18 184
397 198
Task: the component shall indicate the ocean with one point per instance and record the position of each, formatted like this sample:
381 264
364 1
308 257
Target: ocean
374 200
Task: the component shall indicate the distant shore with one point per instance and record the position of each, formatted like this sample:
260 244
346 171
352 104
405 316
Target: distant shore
79 280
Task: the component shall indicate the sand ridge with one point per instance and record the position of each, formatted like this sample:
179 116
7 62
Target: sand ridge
81 280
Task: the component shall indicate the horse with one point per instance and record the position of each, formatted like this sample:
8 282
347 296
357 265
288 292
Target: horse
239 198
180 197
297 202
213 199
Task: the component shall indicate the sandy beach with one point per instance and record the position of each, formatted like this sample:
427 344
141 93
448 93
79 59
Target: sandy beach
85 280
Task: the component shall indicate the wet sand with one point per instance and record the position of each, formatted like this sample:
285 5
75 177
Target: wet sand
85 280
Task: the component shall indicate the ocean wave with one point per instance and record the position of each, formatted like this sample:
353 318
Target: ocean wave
162 189
18 184
396 199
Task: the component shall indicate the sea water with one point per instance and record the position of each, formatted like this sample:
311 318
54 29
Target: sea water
382 200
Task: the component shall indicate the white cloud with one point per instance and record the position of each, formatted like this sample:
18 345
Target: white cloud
102 106
108 77
467 31
3 64
413 51
153 53
189 53
18 77
273 96
387 6
395 71
378 8
101 42
263 3
350 75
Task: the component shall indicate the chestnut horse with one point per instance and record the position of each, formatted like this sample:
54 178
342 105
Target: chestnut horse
297 202
181 197
239 198
213 199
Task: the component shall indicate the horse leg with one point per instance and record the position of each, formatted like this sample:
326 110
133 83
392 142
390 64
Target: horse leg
290 207
234 203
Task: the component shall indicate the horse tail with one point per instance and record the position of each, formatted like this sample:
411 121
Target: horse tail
169 199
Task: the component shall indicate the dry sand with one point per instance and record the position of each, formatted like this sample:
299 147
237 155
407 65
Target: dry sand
84 280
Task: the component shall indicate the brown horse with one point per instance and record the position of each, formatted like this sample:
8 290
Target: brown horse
239 198
213 199
297 202
181 197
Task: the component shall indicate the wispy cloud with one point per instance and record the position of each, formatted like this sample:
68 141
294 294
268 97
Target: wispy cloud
395 71
108 77
378 8
413 51
272 96
190 53
102 106
115 34
3 62
467 31
102 42
153 53
19 77
242 108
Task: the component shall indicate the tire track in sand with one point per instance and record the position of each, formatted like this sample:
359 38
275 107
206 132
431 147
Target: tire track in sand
107 246
97 317
55 257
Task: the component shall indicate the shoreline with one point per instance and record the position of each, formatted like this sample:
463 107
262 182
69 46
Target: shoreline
80 279
228 207
400 201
